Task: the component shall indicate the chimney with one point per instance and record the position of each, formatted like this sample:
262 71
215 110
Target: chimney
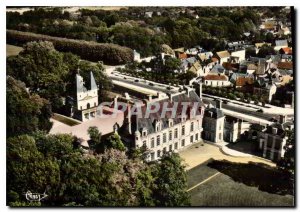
274 130
200 89
128 117
219 104
282 119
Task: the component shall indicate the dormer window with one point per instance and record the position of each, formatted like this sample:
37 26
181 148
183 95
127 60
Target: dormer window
144 132
170 123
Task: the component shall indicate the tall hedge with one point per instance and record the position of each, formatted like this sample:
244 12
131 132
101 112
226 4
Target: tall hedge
110 54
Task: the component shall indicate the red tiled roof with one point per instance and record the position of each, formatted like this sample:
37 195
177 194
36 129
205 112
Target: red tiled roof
214 59
215 77
241 81
182 55
285 65
287 50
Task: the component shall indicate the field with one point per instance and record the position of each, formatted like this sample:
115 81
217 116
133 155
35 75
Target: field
12 50
209 187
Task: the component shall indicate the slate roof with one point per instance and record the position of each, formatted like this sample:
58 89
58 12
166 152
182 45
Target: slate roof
216 113
149 123
281 43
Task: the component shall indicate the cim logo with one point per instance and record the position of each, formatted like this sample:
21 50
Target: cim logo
35 197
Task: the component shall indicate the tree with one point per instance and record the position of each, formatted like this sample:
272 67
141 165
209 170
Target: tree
95 137
42 69
287 163
171 182
114 141
266 50
29 170
172 64
25 113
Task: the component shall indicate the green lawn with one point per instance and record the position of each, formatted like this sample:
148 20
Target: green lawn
12 50
223 190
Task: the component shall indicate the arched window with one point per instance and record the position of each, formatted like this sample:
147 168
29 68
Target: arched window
88 106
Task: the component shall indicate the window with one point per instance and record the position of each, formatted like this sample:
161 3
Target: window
192 126
182 142
176 145
152 155
88 106
170 148
164 150
170 135
144 133
183 130
80 107
176 133
152 142
158 153
144 143
94 104
192 139
158 140
165 137
220 136
196 137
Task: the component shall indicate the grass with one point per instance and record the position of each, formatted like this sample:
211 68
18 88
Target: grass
232 188
65 120
12 50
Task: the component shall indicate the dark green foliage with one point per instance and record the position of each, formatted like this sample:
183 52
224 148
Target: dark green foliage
266 50
171 182
25 113
108 53
54 165
287 163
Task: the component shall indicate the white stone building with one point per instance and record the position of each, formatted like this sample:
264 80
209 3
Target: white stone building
165 134
86 99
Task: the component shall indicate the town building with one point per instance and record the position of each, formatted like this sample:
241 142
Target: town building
213 123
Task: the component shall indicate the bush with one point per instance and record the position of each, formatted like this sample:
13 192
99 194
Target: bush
111 54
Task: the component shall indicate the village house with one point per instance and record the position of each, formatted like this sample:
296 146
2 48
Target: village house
222 56
280 44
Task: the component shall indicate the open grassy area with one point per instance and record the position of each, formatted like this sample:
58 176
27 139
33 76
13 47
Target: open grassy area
232 187
65 120
12 50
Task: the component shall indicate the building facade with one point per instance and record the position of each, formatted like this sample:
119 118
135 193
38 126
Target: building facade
213 123
86 99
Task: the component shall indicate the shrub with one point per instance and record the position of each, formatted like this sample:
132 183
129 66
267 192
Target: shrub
111 54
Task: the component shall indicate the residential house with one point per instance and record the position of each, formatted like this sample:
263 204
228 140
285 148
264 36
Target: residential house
136 56
241 79
222 56
280 44
264 88
238 55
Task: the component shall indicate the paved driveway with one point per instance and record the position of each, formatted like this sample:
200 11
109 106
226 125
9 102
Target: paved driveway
197 154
